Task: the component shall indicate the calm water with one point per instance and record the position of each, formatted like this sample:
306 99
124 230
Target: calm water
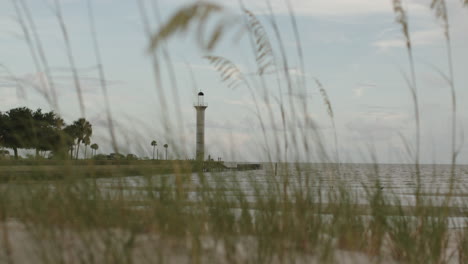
396 180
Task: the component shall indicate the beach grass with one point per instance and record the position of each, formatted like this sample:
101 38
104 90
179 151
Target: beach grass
84 211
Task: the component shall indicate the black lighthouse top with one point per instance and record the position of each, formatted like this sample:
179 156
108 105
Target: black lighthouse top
201 102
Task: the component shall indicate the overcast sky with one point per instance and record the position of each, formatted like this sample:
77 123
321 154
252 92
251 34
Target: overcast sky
353 47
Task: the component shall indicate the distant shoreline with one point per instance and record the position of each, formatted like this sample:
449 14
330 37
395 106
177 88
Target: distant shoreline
78 169
12 170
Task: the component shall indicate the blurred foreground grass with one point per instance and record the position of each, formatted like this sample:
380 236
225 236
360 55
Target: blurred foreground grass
214 219
287 216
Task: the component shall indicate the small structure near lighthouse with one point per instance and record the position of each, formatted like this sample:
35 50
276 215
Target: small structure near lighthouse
200 106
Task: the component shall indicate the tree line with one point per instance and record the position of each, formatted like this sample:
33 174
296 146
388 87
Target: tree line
23 128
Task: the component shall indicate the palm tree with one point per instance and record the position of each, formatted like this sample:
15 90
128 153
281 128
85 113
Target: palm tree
70 137
154 144
94 147
84 131
166 146
86 142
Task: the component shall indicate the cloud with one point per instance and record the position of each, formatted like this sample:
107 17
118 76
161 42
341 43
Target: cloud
419 38
194 66
296 72
358 92
325 8
302 95
379 108
63 83
10 27
238 102
8 97
378 123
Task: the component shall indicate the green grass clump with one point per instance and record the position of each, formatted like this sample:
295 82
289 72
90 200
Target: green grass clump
153 211
67 219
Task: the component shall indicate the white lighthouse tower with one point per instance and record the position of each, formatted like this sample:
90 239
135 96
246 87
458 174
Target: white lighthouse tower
200 106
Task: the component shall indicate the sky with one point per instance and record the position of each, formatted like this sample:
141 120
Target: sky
354 48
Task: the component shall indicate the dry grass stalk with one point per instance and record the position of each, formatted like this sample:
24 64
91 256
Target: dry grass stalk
70 56
264 51
197 13
230 73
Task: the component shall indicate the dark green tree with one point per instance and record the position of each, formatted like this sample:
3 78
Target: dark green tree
94 147
22 128
86 142
47 131
17 129
154 144
166 146
83 130
3 121
70 135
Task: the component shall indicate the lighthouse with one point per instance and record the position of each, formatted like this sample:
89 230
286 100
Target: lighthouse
200 107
